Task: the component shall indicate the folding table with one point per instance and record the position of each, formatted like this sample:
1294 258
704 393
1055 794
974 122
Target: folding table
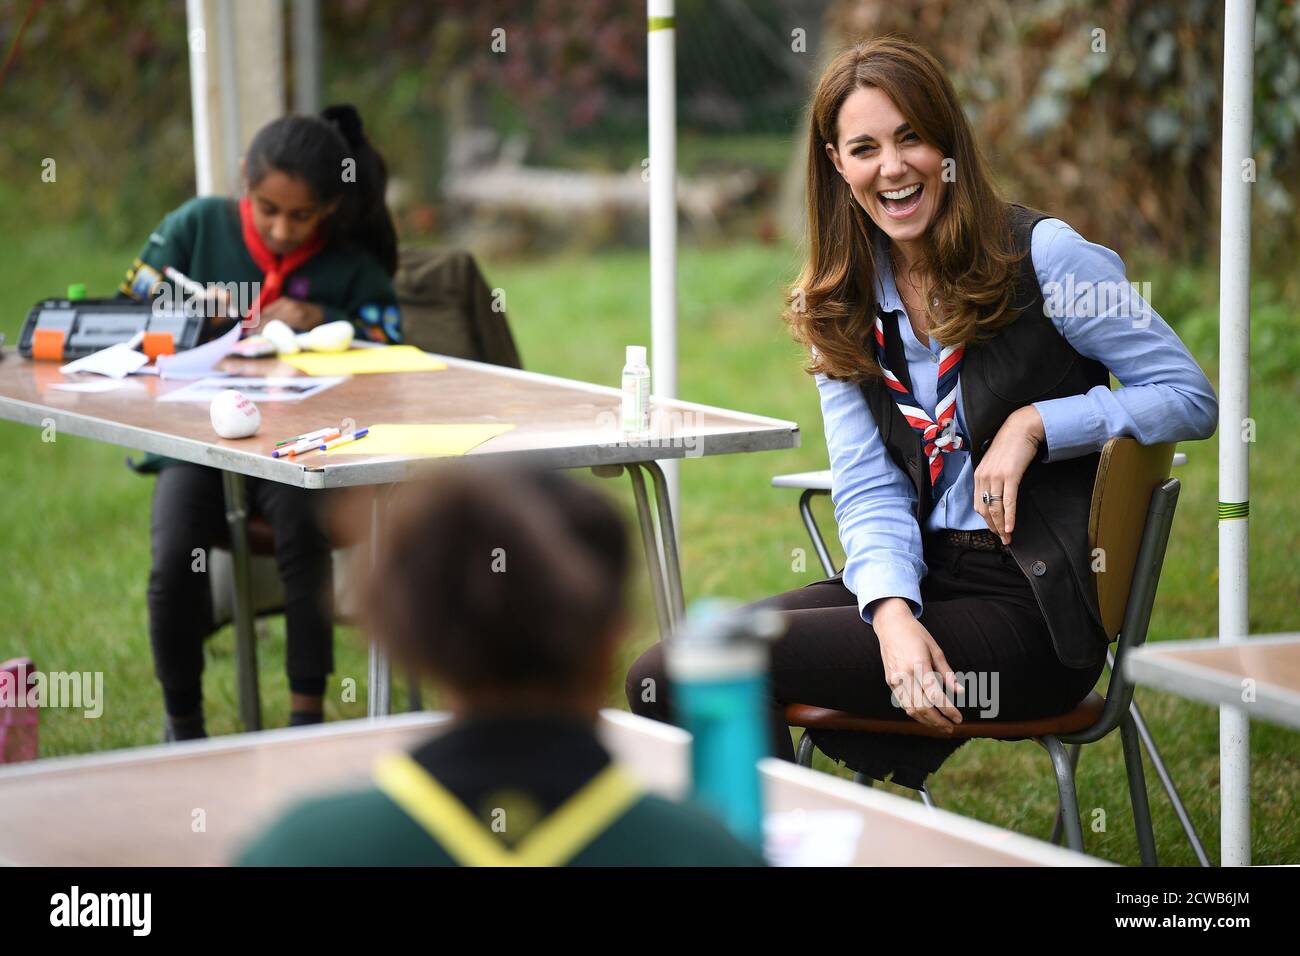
560 423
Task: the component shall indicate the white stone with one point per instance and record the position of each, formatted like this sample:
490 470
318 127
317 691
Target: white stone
282 337
234 415
330 337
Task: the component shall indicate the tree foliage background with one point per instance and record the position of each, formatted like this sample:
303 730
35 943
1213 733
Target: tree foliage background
1121 140
1107 112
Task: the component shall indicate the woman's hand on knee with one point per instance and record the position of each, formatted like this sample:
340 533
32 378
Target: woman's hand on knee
917 673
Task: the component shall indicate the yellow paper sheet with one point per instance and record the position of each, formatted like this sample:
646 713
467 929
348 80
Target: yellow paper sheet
438 440
389 358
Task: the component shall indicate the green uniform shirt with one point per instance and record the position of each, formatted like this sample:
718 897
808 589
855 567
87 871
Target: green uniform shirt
204 240
367 828
539 791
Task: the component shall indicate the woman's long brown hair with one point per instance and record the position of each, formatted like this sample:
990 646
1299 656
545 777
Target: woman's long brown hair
968 257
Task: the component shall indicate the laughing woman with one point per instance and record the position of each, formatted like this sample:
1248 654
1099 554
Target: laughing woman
962 348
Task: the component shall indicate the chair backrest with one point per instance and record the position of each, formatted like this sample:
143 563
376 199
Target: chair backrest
1126 478
1133 505
447 307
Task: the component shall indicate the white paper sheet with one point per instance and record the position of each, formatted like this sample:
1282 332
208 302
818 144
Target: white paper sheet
199 361
116 361
281 389
97 385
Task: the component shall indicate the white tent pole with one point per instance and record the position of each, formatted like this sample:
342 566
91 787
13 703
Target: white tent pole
1234 406
228 72
196 32
306 56
661 70
236 83
259 89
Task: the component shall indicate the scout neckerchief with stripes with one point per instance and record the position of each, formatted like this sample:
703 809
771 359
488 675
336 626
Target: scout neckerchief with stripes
939 435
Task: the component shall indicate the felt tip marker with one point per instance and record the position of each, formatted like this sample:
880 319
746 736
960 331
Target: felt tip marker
318 433
307 444
343 439
184 281
192 287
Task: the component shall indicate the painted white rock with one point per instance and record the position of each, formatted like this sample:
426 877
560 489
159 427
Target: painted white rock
330 337
234 415
282 337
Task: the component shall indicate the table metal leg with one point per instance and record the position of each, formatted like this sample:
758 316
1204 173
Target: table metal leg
668 541
650 539
379 679
236 495
659 540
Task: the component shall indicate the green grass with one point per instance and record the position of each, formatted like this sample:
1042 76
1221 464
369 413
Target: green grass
75 532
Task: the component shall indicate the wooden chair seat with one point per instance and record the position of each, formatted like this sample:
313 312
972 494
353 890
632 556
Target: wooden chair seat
1087 713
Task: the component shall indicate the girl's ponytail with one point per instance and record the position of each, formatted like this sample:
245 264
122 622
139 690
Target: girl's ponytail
368 221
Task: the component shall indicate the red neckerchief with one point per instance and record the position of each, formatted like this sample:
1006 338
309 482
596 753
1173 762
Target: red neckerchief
275 268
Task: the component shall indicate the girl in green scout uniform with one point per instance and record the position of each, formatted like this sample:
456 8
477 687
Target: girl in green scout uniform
310 241
508 589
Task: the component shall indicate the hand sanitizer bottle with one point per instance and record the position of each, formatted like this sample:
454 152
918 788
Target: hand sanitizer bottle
636 392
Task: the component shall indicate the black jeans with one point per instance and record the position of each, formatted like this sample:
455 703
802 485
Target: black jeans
188 514
979 608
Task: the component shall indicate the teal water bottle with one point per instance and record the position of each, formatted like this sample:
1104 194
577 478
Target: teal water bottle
717 665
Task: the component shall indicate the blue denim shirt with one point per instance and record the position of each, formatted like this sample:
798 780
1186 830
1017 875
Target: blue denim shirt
1166 397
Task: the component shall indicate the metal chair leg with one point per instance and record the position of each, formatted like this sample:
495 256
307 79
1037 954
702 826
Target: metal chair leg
1137 791
1058 825
1166 779
236 495
804 756
810 523
927 799
1069 801
805 753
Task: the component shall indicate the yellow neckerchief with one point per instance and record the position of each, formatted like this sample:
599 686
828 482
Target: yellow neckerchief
553 842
